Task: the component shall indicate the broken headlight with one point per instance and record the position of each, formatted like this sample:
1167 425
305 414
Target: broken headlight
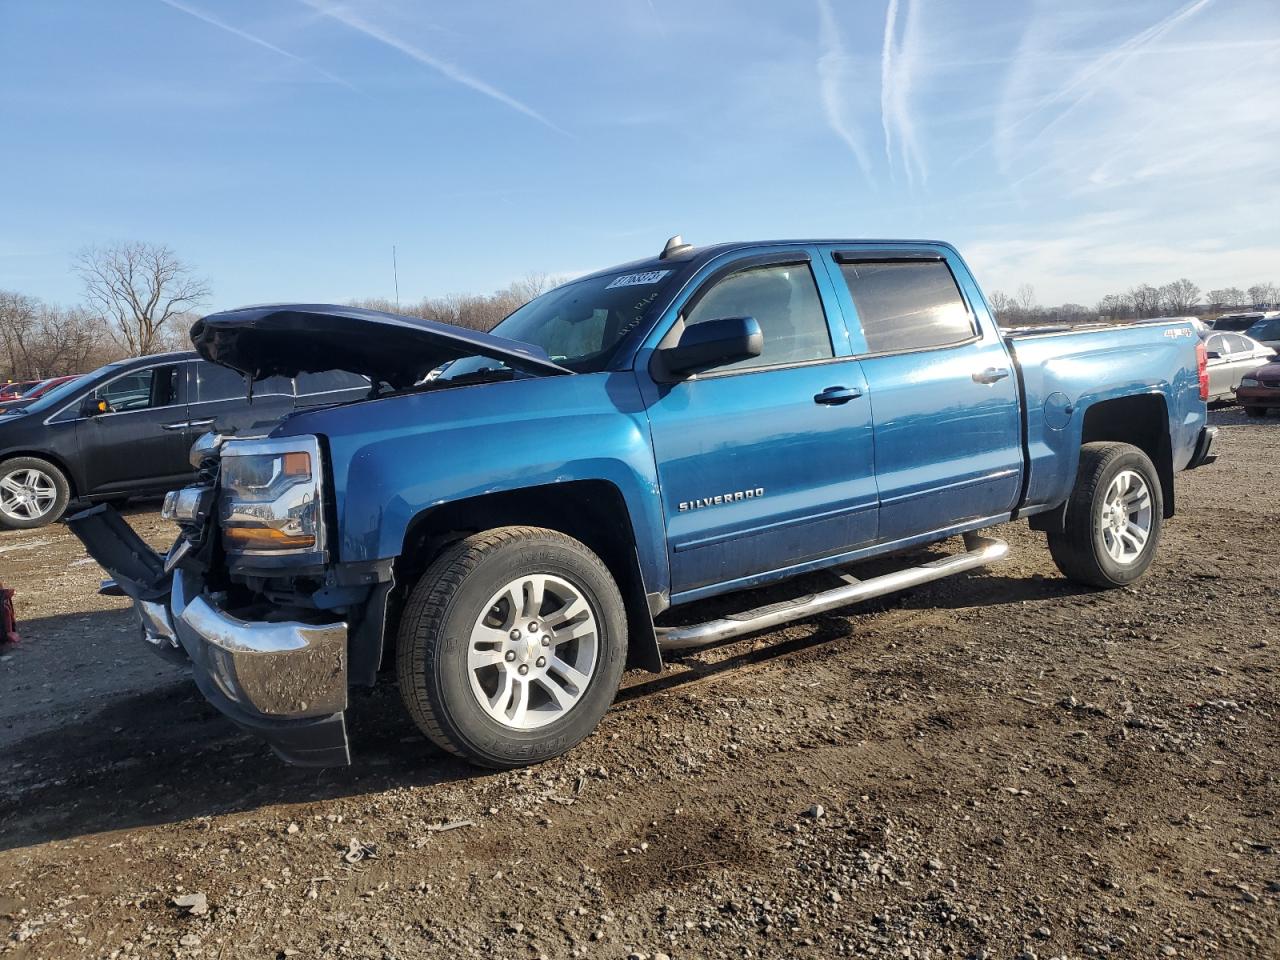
270 500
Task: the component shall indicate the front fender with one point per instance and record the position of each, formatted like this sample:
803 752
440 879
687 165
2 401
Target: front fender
394 458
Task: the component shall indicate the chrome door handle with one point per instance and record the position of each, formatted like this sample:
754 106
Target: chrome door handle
990 375
188 423
833 396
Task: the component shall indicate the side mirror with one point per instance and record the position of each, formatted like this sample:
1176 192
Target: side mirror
714 343
92 406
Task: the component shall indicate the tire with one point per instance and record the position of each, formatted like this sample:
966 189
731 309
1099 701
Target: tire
461 646
23 478
1256 411
1085 550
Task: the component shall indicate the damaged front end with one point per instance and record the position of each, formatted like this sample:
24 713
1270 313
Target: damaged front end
253 527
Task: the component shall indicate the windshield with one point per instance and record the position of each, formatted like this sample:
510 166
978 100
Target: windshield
578 324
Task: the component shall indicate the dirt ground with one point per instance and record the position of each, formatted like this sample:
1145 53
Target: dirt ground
997 765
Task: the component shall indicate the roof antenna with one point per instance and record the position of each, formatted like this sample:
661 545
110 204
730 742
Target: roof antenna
674 246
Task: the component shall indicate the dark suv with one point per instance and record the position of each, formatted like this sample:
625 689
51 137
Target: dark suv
127 428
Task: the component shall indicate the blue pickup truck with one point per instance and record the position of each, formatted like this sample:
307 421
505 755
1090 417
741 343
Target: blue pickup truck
505 519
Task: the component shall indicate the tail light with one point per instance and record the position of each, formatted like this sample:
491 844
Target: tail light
1202 368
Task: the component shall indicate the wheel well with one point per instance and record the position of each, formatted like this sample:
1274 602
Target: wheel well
1142 421
591 511
47 457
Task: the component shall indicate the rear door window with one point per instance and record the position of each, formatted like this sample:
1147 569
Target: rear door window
217 383
904 306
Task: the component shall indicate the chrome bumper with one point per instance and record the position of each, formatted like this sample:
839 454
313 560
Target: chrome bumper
282 671
283 680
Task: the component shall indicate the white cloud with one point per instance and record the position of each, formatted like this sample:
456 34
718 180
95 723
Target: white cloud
836 76
358 23
245 35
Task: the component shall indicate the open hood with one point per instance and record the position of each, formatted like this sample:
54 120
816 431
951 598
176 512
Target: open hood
287 339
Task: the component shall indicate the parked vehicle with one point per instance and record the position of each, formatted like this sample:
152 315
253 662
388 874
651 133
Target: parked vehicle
1267 332
33 394
1259 390
1240 322
508 526
14 389
1230 357
126 428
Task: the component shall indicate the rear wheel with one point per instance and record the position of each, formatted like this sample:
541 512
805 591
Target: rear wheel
511 646
1256 411
33 493
1113 517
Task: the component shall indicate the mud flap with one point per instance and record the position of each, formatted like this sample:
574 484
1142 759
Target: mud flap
137 569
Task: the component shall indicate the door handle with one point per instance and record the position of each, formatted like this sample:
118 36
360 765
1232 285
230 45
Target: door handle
834 396
990 375
188 423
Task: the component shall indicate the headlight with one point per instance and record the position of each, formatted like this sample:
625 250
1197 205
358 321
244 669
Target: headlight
271 496
1248 381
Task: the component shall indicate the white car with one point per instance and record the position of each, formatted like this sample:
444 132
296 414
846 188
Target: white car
1231 356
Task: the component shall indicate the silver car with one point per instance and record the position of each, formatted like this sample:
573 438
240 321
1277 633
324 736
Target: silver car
1231 356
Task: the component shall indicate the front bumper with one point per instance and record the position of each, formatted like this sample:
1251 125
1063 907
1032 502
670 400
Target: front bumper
285 680
1259 396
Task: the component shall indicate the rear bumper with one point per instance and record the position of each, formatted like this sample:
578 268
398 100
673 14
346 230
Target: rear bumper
285 681
1203 453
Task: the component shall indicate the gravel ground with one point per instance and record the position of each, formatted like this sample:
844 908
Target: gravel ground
997 765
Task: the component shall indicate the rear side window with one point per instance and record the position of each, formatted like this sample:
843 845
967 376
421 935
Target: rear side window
907 306
784 301
217 383
1237 344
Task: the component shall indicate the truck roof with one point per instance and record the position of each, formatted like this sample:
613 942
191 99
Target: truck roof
694 257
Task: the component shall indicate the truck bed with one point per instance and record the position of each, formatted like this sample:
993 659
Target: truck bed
1139 370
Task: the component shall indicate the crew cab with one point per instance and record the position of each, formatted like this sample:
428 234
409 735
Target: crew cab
508 522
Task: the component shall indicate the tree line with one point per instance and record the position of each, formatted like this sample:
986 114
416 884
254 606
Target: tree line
141 298
1178 298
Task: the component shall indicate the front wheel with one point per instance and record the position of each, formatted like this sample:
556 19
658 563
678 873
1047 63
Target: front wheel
511 646
33 493
1113 518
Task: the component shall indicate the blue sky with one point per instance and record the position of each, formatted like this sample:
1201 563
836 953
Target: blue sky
284 146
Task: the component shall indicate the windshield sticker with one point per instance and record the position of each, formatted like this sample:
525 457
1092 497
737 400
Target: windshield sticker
637 279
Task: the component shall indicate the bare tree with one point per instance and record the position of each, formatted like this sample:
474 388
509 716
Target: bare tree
470 310
136 290
1264 295
1025 298
1179 297
38 340
1002 305
1145 299
1225 297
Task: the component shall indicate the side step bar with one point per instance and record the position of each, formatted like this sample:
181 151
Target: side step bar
980 552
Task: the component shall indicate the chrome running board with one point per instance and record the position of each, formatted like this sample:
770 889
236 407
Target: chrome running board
980 552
